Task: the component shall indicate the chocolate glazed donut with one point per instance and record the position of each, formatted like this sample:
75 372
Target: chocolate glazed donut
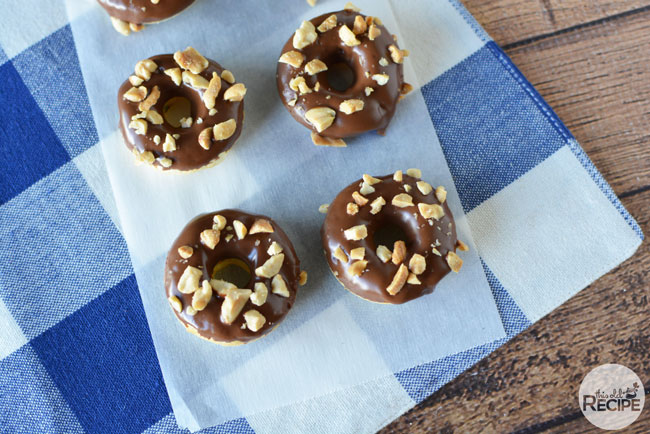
417 263
215 309
311 67
128 15
214 121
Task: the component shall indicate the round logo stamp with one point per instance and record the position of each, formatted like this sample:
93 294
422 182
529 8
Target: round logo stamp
611 396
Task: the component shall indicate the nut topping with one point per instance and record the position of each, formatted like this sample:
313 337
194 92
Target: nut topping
144 68
254 320
366 189
154 117
350 7
195 80
135 80
320 117
218 222
441 194
360 200
150 100
413 280
212 92
370 180
357 268
210 238
352 208
240 229
186 122
398 280
350 106
235 92
417 264
359 26
233 304
135 94
274 249
224 130
381 79
202 297
340 255
279 286
431 211
293 58
462 246
305 35
176 303
399 252
185 252
424 187
221 287
175 74
376 205
319 140
139 125
191 59
189 280
258 297
356 233
302 278
169 145
271 267
299 85
347 36
228 76
402 200
396 54
358 254
415 173
373 32
454 261
261 226
205 138
315 66
384 254
397 176
328 24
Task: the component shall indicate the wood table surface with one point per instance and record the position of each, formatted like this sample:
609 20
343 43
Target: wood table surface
590 60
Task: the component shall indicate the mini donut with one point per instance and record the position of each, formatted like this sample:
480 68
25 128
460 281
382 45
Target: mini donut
319 48
201 139
128 15
409 268
218 310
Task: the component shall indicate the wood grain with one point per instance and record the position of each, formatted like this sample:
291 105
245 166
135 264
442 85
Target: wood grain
596 78
510 21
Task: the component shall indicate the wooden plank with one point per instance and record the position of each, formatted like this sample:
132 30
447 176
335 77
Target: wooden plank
534 378
509 21
596 79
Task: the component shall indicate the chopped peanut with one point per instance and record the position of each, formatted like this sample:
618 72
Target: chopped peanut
399 252
191 59
398 281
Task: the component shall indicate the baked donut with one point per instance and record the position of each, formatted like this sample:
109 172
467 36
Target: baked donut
216 309
129 15
180 112
341 75
422 254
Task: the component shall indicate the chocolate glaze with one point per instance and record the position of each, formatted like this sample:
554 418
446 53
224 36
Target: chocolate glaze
143 11
189 155
379 107
207 323
421 237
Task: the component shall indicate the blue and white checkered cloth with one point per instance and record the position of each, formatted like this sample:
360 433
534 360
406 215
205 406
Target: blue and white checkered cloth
76 354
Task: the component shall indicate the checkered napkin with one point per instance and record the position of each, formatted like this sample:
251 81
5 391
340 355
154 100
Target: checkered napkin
76 354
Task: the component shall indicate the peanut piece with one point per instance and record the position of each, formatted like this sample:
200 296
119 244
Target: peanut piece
320 117
358 254
340 255
328 24
293 58
233 304
373 32
235 92
258 298
305 35
151 100
352 208
279 286
417 264
185 252
399 252
350 106
402 200
205 138
191 59
359 199
195 80
347 36
169 145
415 173
271 267
144 68
376 205
228 76
431 211
202 297
254 320
261 226
274 249
212 92
441 194
240 229
398 281
189 280
454 262
356 233
135 94
424 187
210 238
221 287
175 74
319 140
384 254
177 305
357 267
224 130
359 26
302 278
381 79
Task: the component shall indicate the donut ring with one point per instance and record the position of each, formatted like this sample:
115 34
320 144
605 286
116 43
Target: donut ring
129 15
215 309
325 43
415 265
202 139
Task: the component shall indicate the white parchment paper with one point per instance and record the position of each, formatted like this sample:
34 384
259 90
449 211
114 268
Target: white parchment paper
330 339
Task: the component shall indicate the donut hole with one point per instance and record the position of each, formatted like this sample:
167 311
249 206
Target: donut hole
388 233
175 109
340 75
233 270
